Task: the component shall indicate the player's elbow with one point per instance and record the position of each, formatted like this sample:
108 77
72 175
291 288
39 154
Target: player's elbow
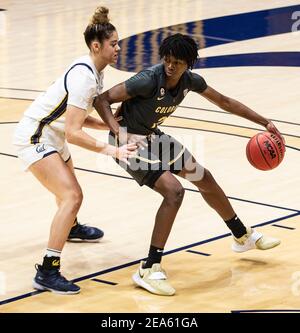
100 102
70 136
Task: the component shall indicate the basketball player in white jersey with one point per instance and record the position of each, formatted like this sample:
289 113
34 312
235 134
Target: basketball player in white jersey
58 115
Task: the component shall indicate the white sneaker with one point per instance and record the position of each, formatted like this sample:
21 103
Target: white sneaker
253 240
153 279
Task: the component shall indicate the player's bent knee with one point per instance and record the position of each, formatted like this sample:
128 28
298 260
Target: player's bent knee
175 195
74 198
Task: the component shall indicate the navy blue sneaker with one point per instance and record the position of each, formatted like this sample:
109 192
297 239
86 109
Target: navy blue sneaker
83 233
52 280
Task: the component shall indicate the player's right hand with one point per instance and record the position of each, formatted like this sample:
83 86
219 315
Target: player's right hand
123 153
125 137
139 140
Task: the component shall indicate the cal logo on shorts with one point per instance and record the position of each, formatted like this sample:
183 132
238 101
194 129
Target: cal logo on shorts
40 148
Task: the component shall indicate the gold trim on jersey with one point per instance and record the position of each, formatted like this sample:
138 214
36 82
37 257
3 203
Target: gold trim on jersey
157 161
177 157
55 114
146 159
154 161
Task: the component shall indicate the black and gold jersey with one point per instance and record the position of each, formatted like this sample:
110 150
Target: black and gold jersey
151 102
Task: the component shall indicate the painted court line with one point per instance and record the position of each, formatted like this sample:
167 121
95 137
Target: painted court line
89 276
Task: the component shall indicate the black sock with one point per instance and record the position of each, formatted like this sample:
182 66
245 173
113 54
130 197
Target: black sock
154 256
236 227
51 263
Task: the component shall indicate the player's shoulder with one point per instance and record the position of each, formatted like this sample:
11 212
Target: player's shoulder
83 66
156 71
146 76
192 75
152 71
194 81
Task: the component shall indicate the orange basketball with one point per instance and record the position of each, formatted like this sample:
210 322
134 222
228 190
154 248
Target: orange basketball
265 151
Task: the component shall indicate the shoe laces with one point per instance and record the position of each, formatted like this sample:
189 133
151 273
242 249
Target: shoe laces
79 226
53 273
61 278
157 273
157 276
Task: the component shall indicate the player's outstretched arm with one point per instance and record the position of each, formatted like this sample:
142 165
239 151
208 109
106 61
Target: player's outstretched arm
235 107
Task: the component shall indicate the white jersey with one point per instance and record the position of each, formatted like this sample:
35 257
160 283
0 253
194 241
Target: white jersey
45 117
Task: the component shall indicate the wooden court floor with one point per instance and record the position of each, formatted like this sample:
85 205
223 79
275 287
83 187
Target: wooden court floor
207 275
208 278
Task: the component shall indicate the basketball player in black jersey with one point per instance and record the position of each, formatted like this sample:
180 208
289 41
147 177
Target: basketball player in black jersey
148 98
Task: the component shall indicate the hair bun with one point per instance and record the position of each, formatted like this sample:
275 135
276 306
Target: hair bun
100 16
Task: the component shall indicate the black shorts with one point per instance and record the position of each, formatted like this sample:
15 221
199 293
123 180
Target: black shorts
163 153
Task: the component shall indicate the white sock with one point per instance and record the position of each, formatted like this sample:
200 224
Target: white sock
53 253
